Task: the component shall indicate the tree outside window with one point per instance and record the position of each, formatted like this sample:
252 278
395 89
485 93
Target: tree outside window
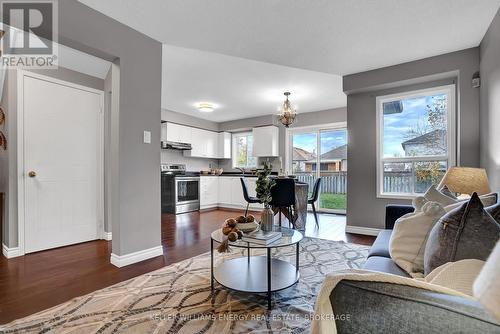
413 140
243 151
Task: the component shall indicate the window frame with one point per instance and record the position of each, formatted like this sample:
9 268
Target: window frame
318 129
234 150
452 140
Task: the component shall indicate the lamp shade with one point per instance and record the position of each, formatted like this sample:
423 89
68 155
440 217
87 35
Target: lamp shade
486 287
466 180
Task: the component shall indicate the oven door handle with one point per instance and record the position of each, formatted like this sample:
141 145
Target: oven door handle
187 178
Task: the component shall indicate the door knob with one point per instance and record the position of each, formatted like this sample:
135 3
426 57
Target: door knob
31 173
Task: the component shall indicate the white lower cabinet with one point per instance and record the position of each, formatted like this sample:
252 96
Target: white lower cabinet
225 191
209 190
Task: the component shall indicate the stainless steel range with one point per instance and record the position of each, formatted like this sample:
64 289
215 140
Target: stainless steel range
180 190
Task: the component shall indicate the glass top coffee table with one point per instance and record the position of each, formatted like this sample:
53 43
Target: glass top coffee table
257 274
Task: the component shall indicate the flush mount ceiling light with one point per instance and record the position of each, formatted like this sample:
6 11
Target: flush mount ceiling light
287 112
205 107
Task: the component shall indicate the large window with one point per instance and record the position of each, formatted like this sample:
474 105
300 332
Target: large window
415 140
320 151
242 150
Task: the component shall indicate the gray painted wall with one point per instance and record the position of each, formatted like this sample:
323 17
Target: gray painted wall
364 209
135 184
490 102
72 76
134 175
8 172
7 183
179 118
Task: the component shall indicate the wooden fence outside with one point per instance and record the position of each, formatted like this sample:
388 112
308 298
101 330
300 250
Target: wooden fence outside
336 182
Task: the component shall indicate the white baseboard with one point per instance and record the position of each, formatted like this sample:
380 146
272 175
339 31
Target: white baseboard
127 259
106 236
362 230
10 252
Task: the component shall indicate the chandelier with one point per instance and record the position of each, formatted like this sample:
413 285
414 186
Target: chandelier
287 112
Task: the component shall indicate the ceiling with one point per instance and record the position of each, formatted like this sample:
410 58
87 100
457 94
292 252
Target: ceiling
241 88
334 36
241 55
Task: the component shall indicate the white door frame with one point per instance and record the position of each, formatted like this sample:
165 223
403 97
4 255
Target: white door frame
313 128
21 186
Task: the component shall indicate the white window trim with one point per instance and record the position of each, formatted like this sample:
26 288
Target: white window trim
234 146
452 139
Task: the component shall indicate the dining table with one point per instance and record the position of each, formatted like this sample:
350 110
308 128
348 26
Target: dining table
298 216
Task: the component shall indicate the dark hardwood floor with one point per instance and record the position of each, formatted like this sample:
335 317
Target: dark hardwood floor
37 281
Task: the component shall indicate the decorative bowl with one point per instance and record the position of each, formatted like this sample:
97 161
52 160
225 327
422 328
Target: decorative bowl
247 227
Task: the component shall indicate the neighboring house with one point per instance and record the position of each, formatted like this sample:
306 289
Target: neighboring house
431 143
300 154
334 160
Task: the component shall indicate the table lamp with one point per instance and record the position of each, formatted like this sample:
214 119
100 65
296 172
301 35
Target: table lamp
466 180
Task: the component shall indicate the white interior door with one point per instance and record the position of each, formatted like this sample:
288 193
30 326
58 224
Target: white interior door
62 163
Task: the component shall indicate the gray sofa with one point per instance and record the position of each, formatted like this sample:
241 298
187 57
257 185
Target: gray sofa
372 307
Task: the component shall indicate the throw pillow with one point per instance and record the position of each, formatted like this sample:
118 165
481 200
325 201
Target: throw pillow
409 236
467 232
447 192
486 288
433 195
494 211
459 276
487 200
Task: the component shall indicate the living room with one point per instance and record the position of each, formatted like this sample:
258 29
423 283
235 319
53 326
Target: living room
252 167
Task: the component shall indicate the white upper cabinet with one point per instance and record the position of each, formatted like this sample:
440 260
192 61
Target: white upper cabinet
224 145
176 133
163 132
173 132
204 143
266 141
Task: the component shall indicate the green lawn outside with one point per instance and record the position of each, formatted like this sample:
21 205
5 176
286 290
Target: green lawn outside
333 201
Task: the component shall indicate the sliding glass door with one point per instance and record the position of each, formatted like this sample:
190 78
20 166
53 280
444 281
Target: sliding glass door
315 152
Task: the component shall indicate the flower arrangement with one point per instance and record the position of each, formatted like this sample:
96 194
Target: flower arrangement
264 185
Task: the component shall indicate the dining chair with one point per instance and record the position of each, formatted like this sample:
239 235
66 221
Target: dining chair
283 197
248 198
314 198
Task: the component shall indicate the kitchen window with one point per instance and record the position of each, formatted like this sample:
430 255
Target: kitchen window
243 150
416 141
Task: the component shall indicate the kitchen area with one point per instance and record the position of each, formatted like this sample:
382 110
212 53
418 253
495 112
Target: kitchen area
191 175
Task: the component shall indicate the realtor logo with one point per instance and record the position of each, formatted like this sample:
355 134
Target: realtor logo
30 33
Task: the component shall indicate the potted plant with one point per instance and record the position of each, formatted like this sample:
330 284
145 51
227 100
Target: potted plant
263 189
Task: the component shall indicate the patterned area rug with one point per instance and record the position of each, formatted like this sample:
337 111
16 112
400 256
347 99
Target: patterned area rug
177 299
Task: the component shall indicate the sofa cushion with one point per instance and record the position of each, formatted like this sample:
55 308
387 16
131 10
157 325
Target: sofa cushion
468 232
374 307
487 200
434 195
494 211
380 246
408 239
385 265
